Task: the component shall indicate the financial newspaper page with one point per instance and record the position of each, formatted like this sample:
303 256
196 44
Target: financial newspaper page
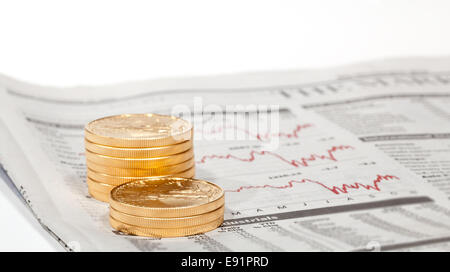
352 158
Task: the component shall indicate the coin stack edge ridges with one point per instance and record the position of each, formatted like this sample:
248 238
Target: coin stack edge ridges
124 148
138 217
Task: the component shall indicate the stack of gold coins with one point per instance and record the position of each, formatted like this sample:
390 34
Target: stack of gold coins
166 207
130 147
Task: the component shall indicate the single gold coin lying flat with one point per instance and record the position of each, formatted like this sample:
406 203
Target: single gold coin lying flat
167 197
150 152
119 180
98 186
138 130
138 172
175 222
164 232
142 163
103 197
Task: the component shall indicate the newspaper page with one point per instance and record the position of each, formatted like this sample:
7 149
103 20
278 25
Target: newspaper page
355 158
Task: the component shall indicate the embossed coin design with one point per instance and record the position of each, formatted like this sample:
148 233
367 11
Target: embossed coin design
138 130
167 197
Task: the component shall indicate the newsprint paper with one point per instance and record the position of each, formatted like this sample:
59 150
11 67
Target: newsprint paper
355 158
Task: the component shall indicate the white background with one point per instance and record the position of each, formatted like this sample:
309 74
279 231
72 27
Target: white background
95 42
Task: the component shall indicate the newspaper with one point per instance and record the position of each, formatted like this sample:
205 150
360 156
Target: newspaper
353 158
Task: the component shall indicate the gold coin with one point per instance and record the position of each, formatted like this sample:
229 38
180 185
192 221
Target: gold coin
164 232
142 163
99 196
138 130
180 222
137 172
123 152
118 180
167 197
98 186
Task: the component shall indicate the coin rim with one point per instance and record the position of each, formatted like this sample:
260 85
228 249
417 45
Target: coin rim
99 186
99 196
170 223
135 152
167 212
164 232
159 171
140 163
138 142
119 180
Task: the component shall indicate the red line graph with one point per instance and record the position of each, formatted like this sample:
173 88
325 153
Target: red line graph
343 189
303 161
259 136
